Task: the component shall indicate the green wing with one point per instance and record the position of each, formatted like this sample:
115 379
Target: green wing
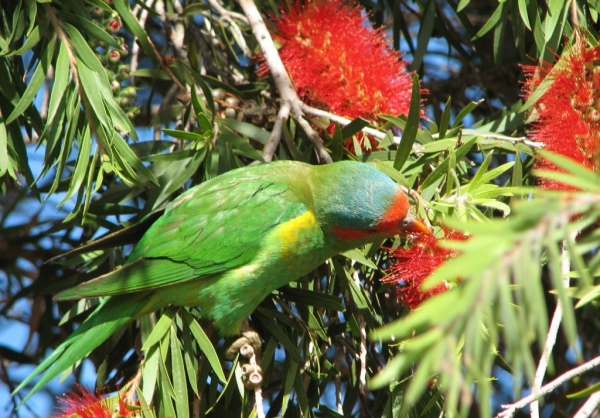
214 227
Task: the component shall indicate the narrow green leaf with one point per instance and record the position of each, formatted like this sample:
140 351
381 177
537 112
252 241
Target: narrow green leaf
480 172
464 112
523 12
187 136
90 28
160 329
538 93
61 79
353 127
86 56
585 392
205 344
35 83
240 144
517 174
290 377
179 377
492 21
445 119
251 131
412 126
358 256
438 146
81 166
190 358
586 175
4 161
337 144
279 335
425 31
32 40
310 298
129 156
122 7
462 4
499 34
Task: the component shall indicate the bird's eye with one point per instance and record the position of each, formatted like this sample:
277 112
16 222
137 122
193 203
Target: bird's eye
371 231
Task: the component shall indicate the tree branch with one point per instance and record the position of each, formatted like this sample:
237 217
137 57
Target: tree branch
552 333
280 75
511 409
589 407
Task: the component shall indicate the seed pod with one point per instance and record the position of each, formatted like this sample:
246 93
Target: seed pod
97 12
232 101
250 110
123 72
115 86
114 57
255 379
230 113
218 94
130 92
257 118
247 369
124 101
246 350
124 51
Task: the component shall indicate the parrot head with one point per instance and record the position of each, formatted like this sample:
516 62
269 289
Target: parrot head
358 201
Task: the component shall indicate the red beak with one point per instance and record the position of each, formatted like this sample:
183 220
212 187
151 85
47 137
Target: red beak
418 226
414 225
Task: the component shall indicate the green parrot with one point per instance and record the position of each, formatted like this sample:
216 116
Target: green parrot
226 244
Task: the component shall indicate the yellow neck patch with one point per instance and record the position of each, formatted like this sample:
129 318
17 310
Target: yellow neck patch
296 233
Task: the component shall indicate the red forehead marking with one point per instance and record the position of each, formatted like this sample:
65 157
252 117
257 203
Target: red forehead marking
391 220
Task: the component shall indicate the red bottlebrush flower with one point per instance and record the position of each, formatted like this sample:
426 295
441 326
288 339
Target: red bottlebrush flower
569 111
411 266
82 403
337 61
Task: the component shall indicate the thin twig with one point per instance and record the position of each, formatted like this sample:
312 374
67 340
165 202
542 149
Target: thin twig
159 57
511 409
489 135
362 375
574 15
228 18
338 359
135 49
345 122
589 407
226 13
280 75
396 139
258 399
275 137
552 333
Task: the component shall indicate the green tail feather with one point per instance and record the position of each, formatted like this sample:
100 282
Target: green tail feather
113 313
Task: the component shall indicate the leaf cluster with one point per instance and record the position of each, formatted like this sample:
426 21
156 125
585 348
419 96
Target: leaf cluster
336 343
